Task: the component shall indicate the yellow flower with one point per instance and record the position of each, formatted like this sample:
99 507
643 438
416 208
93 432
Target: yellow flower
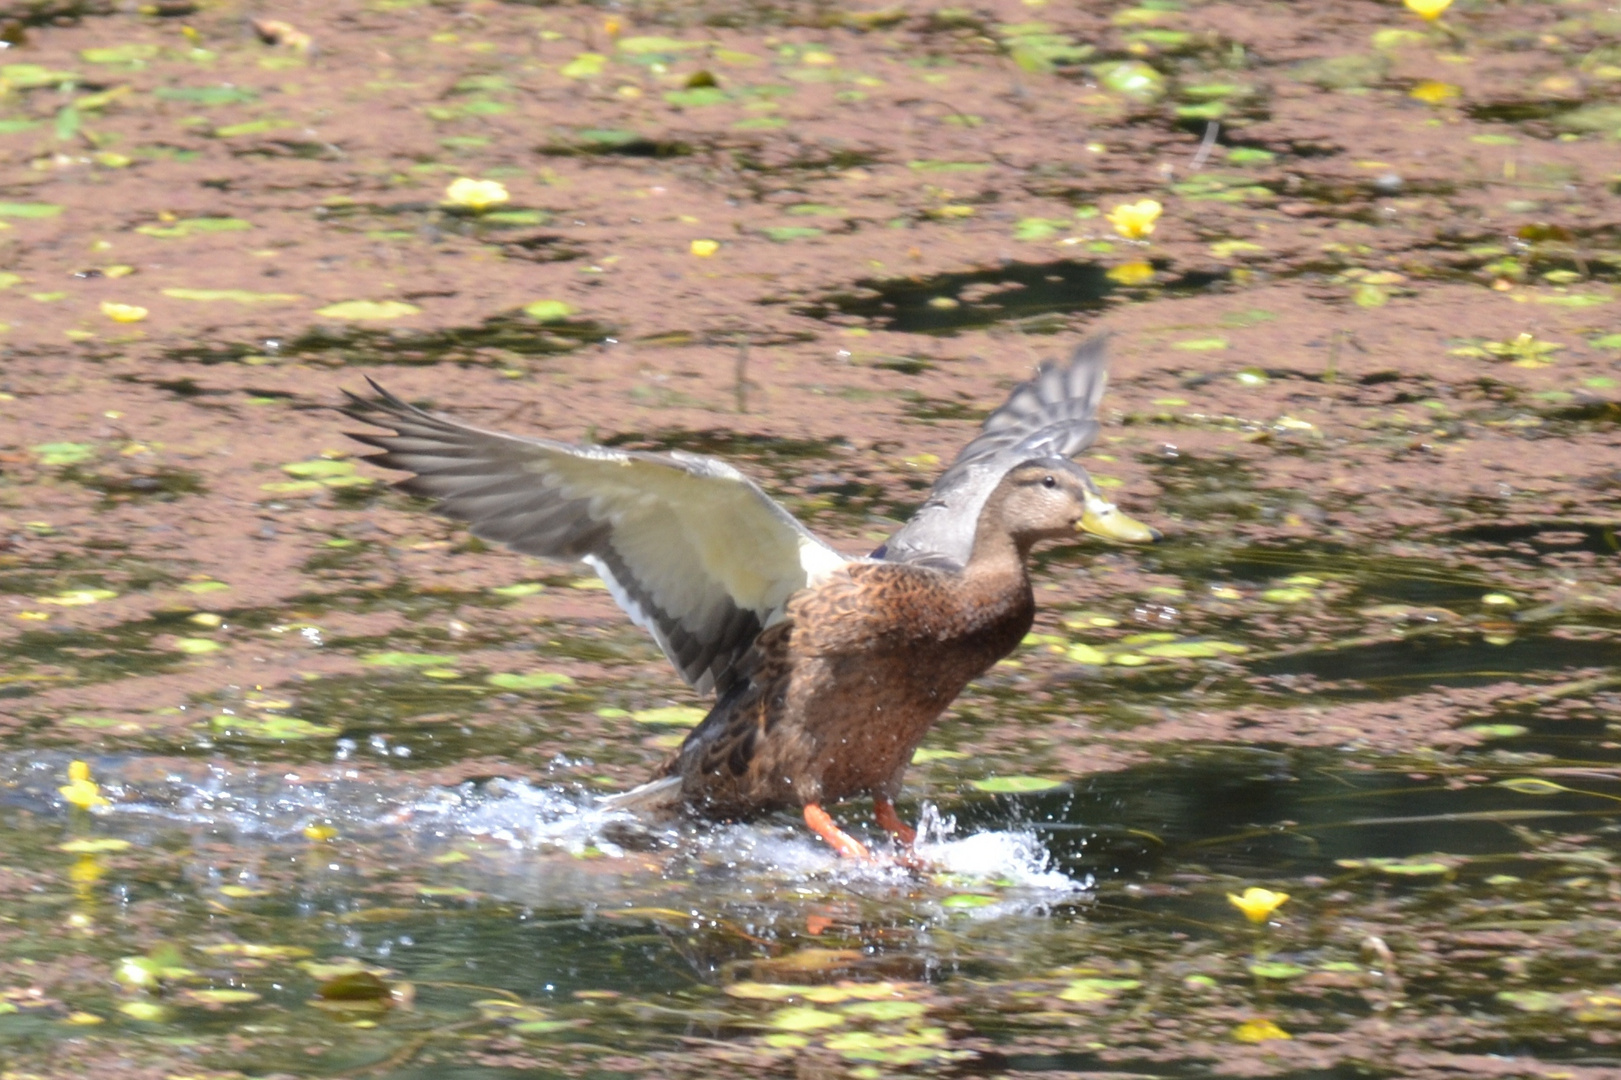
1135 221
1259 1030
1428 9
1132 273
80 790
705 248
123 312
1431 92
1258 904
475 195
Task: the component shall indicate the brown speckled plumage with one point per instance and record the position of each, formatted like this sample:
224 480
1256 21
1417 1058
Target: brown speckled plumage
828 671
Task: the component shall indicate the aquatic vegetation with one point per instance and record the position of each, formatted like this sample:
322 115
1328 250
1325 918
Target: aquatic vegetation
1135 221
1258 903
475 195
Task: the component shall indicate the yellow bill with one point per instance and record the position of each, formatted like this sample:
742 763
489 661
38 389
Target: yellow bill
1103 518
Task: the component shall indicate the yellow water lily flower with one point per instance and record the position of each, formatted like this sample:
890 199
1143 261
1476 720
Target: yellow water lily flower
80 790
1135 221
1258 904
1259 1030
476 195
704 248
125 313
1431 92
1132 273
1428 9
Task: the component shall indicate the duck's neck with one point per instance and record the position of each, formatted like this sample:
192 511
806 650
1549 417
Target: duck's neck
996 553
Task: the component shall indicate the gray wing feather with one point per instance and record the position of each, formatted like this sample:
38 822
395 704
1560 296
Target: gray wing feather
693 550
1054 414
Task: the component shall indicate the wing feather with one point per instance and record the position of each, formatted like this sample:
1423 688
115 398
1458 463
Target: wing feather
691 548
1053 414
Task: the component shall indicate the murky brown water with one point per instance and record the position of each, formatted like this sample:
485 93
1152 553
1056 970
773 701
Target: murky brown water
1365 380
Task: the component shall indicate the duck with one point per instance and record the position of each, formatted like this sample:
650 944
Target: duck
826 670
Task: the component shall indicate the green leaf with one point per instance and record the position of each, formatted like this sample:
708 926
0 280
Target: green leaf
239 296
34 76
1273 969
1209 344
1497 731
887 1010
697 97
1016 785
407 659
1091 990
924 754
273 726
192 226
206 95
671 715
516 217
320 467
935 166
197 646
548 310
523 588
1532 785
539 680
967 901
252 127
1038 228
134 54
369 309
29 210
1179 650
642 46
804 1018
63 453
584 66
782 234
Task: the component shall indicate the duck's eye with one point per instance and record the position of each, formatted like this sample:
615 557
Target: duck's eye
1048 481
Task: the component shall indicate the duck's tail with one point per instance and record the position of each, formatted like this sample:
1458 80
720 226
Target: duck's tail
654 797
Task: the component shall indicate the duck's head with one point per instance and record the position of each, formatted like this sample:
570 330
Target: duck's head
1050 498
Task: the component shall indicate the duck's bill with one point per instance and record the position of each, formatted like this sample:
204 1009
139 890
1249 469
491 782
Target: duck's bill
1104 519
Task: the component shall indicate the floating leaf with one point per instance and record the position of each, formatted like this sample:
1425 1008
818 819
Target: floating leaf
1085 654
1533 1001
1016 785
1292 595
98 846
1497 731
783 234
924 754
195 226
319 468
967 901
197 646
278 728
887 1010
369 309
29 210
1091 990
407 659
219 997
1532 785
1194 649
540 680
239 296
1398 867
78 597
522 588
134 53
674 715
584 66
63 453
206 95
1274 969
548 310
804 1018
1209 344
252 127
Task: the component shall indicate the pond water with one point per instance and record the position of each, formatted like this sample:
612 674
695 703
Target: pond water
298 780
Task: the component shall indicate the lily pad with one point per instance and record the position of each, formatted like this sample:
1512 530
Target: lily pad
522 588
673 715
362 310
63 453
548 310
407 659
1016 785
539 680
238 296
805 1018
29 210
1091 990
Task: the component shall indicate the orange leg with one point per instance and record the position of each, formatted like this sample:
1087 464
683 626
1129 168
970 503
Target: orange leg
839 840
884 811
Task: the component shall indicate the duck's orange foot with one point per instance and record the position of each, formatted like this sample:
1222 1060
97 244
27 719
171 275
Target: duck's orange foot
884 811
839 840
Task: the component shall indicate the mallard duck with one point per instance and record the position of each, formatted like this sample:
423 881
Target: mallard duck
827 670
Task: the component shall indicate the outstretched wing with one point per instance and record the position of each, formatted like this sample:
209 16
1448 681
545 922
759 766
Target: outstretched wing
692 549
1054 414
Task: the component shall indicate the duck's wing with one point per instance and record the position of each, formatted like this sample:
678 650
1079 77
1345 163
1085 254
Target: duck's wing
691 548
1054 414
